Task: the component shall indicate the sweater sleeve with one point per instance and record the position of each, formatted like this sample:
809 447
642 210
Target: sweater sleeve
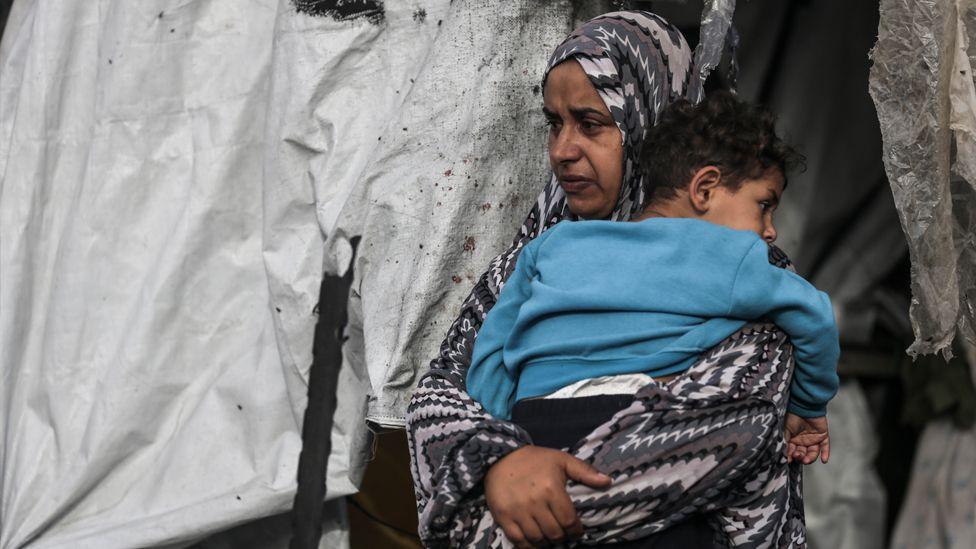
490 381
804 313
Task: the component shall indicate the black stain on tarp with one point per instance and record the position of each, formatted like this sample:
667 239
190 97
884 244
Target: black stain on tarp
420 15
343 10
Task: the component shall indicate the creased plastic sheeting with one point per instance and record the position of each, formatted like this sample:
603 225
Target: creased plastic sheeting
922 86
940 506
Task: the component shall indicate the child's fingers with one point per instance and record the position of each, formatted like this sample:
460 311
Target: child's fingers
809 439
811 454
790 450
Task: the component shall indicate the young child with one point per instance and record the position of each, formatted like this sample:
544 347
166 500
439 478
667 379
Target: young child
600 307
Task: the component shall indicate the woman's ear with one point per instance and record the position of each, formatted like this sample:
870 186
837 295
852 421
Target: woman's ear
701 189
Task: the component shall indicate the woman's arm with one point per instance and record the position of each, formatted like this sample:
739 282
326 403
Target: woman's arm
710 440
453 441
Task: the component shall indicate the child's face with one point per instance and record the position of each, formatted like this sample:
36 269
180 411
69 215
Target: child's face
751 207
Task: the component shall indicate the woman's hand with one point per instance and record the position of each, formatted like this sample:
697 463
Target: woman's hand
526 493
806 438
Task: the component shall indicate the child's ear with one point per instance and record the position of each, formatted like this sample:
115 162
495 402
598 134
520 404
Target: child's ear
701 189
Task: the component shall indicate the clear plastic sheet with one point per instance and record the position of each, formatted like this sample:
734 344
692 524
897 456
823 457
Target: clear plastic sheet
922 86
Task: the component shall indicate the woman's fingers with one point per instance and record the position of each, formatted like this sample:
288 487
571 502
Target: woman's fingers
583 472
533 534
514 533
549 525
564 512
825 451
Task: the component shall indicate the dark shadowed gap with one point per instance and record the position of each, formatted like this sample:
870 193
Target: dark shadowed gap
323 380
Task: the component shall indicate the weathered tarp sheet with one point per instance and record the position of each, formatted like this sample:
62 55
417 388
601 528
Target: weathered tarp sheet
922 85
168 171
447 186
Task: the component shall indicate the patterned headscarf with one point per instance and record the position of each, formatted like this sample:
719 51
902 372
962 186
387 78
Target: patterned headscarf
638 63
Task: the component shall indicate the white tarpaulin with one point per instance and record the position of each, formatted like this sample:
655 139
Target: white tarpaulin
168 171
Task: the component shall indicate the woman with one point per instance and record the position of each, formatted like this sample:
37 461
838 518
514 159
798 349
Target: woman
708 441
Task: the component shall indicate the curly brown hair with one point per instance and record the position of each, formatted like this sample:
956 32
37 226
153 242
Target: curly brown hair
722 131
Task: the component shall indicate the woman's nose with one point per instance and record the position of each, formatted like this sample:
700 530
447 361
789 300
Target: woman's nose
563 147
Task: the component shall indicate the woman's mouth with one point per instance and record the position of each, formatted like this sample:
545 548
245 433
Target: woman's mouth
574 184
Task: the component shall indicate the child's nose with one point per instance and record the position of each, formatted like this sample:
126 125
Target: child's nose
769 234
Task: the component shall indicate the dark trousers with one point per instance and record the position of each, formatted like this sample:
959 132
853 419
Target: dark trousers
561 422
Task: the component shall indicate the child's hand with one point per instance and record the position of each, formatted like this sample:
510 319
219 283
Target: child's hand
806 438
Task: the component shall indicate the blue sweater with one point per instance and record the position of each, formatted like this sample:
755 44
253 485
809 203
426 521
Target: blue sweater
599 298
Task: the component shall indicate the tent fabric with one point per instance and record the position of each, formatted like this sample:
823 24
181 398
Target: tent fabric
168 172
136 315
455 172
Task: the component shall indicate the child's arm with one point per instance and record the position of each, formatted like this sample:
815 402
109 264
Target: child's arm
805 314
489 381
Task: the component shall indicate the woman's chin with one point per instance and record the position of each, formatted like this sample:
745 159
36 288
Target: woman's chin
586 209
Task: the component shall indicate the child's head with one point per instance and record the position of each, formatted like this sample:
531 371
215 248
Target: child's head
720 161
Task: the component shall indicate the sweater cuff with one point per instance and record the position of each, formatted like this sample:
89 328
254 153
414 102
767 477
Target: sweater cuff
806 411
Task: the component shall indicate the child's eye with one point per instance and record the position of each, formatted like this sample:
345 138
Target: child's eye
765 205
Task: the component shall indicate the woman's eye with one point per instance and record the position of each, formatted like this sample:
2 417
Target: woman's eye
588 125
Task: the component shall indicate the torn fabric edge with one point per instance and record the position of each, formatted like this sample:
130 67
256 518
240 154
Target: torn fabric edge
921 84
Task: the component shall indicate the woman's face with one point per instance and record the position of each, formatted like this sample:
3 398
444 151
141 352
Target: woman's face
585 146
